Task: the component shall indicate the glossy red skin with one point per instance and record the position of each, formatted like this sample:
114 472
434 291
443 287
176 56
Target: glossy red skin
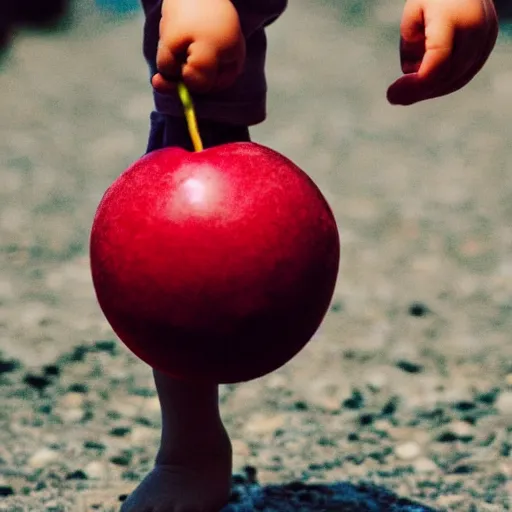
218 265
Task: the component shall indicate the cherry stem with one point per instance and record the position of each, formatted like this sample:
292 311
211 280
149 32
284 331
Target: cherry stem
190 116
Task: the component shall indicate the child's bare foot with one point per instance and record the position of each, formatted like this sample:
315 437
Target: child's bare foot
193 467
200 484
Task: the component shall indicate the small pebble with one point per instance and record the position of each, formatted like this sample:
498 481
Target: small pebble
8 365
109 346
409 366
141 435
425 465
356 401
6 490
464 405
94 445
463 469
43 457
45 409
382 425
366 419
390 407
123 459
260 424
51 370
488 397
78 387
300 405
504 403
418 309
328 403
73 415
120 431
461 428
96 470
447 437
408 450
38 382
114 415
456 431
72 399
76 475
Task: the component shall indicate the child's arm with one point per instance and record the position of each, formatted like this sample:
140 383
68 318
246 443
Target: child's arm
444 43
200 41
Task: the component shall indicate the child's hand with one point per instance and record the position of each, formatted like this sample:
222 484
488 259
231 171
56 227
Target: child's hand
200 42
443 45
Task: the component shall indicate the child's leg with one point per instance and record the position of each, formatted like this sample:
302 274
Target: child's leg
193 466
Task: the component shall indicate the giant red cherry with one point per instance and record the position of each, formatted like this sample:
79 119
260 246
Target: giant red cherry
217 265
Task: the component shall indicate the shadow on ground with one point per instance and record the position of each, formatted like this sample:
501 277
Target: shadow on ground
247 496
339 496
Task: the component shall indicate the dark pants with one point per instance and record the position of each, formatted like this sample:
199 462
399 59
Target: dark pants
167 131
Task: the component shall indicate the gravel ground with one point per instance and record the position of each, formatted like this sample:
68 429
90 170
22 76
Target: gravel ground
405 394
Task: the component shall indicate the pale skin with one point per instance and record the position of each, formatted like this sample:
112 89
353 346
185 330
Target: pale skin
443 45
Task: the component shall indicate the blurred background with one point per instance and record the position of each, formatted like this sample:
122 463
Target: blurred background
423 307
